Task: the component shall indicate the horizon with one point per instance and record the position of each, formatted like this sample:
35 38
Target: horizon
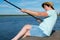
35 5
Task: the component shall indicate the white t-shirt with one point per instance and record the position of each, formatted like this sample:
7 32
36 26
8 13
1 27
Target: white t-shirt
48 23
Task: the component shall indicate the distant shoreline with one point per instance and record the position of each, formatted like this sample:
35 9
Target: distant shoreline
14 15
19 15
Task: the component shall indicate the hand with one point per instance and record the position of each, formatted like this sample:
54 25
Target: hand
39 20
23 10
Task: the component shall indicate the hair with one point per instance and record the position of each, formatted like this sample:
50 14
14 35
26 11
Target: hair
49 4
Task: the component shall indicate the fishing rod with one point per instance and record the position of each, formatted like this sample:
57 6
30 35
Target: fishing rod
38 19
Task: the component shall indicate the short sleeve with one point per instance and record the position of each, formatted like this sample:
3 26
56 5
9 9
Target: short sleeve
51 12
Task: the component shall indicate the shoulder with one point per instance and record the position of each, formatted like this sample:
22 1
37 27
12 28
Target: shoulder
43 13
51 12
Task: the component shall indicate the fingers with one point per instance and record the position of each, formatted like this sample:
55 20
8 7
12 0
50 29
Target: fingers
23 10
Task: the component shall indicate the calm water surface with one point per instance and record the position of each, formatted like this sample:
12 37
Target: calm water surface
11 25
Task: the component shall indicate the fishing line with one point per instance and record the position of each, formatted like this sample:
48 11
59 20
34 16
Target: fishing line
21 9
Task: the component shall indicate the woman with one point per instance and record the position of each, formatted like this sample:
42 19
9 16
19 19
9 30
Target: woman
45 28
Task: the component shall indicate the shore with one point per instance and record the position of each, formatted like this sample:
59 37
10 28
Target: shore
19 15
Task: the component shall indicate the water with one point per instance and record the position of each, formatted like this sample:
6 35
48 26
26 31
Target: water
11 25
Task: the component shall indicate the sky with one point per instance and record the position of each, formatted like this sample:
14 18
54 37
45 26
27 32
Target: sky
34 5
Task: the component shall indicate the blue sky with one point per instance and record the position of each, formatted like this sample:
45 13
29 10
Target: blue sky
35 5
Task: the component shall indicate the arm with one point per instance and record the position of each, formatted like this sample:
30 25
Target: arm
35 13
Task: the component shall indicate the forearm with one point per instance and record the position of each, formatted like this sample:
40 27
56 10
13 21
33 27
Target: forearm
32 12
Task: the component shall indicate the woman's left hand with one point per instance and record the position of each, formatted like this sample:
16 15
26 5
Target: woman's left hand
23 10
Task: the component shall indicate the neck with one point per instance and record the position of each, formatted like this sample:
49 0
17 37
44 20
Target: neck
49 9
